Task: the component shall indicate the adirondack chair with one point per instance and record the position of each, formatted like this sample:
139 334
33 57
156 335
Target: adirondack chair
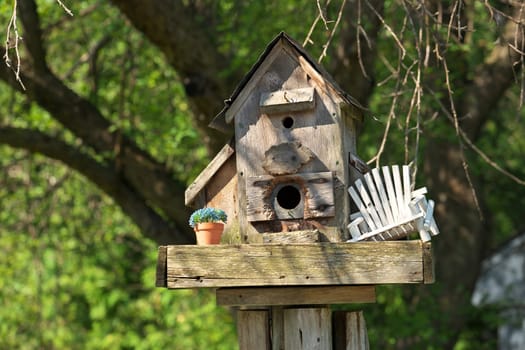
388 209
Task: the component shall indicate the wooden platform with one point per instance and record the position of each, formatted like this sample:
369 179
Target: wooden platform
304 264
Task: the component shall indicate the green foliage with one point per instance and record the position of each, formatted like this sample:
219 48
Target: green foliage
76 274
237 18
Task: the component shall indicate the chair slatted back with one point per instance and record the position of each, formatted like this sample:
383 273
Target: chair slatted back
388 206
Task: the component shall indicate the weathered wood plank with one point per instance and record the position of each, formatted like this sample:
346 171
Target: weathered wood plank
428 263
287 100
307 236
319 196
312 264
277 327
315 192
350 331
253 328
198 184
318 295
162 271
308 329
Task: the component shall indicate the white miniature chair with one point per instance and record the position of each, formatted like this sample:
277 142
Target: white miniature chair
389 209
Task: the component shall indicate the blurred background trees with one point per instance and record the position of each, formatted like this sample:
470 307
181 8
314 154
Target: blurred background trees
107 124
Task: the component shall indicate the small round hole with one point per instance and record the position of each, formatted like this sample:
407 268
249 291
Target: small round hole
288 122
288 197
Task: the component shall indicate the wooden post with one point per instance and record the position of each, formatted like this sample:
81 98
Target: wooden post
277 324
253 330
350 331
301 328
308 329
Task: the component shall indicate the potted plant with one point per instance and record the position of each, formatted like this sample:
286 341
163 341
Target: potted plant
208 224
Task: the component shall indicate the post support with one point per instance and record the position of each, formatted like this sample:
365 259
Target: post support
301 328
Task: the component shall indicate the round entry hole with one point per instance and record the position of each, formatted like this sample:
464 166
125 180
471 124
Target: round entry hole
287 122
288 197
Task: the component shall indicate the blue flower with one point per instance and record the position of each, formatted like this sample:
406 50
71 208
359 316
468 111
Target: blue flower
207 215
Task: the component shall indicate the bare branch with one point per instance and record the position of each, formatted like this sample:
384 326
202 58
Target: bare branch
455 121
471 144
489 161
60 22
388 28
11 42
360 30
322 13
307 40
68 11
332 32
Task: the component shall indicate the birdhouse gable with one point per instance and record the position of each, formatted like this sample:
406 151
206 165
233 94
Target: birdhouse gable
281 81
198 186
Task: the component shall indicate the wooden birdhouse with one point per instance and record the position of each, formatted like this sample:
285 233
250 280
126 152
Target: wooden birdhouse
286 170
285 182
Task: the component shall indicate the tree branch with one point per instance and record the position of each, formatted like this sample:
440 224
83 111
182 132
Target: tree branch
356 52
147 176
191 51
32 33
107 179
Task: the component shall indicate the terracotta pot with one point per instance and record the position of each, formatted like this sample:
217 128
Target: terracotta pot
209 232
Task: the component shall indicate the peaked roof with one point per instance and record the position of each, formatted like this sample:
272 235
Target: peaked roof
219 122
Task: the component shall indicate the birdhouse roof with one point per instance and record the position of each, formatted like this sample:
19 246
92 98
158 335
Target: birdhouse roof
220 121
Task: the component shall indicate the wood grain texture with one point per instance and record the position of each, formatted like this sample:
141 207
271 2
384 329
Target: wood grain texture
248 91
319 295
308 236
286 158
253 328
284 101
316 190
308 329
295 264
162 271
350 331
198 184
428 263
277 327
221 192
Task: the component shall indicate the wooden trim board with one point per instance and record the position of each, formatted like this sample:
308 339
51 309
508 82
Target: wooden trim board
318 295
428 264
298 264
161 280
202 179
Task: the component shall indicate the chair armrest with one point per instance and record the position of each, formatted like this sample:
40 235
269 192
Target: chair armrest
353 227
